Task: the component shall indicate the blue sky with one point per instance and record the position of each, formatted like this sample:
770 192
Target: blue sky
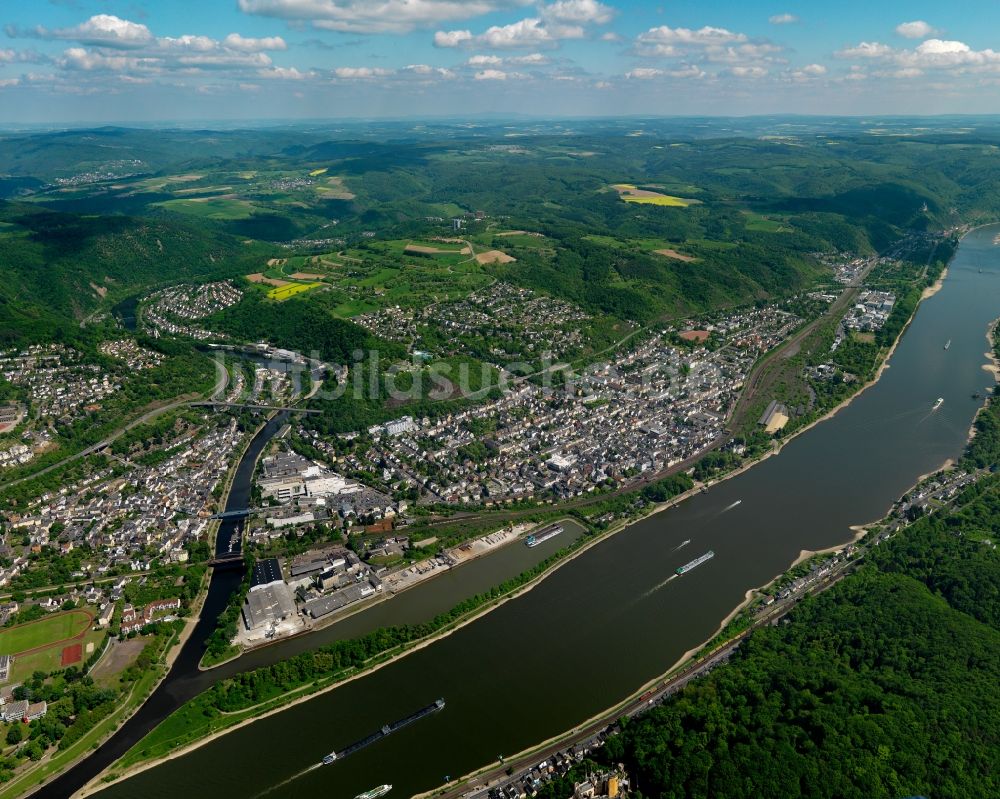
148 60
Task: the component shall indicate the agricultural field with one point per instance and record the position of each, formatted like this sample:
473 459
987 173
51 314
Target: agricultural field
633 194
218 208
50 643
282 293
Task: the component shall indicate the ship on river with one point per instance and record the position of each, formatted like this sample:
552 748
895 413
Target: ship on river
543 535
938 403
375 793
696 562
387 730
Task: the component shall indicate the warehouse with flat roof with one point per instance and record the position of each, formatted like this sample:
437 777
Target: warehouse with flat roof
265 572
269 605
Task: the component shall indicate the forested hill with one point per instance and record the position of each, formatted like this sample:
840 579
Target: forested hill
57 267
887 685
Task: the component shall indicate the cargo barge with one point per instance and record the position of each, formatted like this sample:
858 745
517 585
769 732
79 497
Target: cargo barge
696 562
543 535
388 729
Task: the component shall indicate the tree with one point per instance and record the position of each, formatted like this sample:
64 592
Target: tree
15 734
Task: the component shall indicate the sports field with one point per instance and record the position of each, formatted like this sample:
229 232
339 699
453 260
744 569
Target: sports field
51 643
44 632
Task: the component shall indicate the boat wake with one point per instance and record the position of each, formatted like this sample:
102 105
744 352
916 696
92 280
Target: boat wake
294 777
681 545
730 507
658 586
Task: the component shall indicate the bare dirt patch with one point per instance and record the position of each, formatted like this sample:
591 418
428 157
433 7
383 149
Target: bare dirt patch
632 191
495 257
258 277
120 655
306 276
276 261
670 253
420 249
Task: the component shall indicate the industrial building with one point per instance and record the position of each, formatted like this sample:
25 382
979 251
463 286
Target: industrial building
268 606
266 572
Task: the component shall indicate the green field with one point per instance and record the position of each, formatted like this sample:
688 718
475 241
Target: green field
219 208
53 629
765 224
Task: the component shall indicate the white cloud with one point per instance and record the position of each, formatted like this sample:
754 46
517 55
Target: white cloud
578 12
742 53
939 54
223 60
79 58
361 73
101 30
285 73
610 36
562 19
484 61
525 33
689 71
807 73
375 16
783 19
452 38
665 36
536 59
643 73
8 82
530 32
707 44
918 29
866 50
491 74
427 71
748 72
236 42
197 44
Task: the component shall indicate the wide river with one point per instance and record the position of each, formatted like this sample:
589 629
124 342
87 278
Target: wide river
607 622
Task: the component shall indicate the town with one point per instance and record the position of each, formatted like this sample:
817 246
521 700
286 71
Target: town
170 310
657 405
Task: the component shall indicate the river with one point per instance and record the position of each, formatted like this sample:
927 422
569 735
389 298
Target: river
607 622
